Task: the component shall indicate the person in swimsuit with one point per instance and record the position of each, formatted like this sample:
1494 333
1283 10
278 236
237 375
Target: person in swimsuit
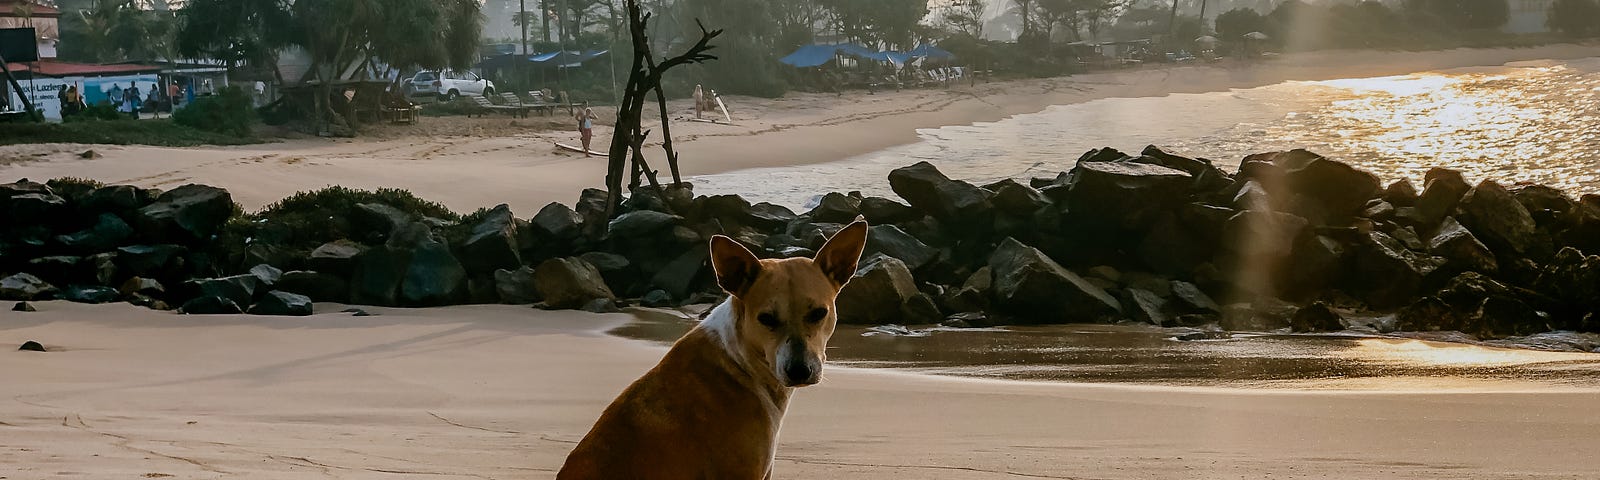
586 128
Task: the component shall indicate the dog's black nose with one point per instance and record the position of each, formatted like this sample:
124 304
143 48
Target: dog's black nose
799 374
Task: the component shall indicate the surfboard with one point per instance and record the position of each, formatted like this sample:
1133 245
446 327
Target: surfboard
709 120
724 108
564 146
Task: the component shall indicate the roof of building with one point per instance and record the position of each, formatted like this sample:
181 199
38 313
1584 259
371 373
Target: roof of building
52 68
8 8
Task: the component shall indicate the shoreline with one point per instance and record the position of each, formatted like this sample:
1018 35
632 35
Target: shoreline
454 162
350 397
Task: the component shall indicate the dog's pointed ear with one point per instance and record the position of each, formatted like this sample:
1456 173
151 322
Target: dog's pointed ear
838 257
735 266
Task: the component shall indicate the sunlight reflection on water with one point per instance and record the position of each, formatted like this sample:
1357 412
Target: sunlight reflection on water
1535 122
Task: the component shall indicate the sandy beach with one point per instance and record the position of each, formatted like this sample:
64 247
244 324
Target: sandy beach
501 392
472 163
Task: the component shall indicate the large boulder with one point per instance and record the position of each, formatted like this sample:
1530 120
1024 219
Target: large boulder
557 222
878 292
929 190
210 305
684 274
1030 285
883 211
516 287
108 232
433 277
1318 261
1016 199
1339 189
1145 306
118 199
375 221
1190 299
1463 250
1498 219
1259 233
835 207
282 304
241 289
641 223
267 274
23 286
1573 279
1124 194
1427 314
337 257
320 287
164 261
492 244
892 241
569 283
1316 317
187 214
1401 193
1441 193
770 217
1387 275
88 294
35 208
377 276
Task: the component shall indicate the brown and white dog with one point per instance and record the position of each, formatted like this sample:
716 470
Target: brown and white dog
712 408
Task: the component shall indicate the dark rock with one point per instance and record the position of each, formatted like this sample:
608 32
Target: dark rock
337 257
1572 278
1256 233
1318 262
1196 167
1380 210
1190 299
267 274
1017 199
641 223
23 307
210 305
892 241
35 208
556 222
108 232
1264 314
883 211
240 289
927 189
376 221
1251 195
56 269
974 294
1441 193
1401 193
433 277
1103 154
23 187
1504 316
493 243
569 283
601 305
24 286
152 261
657 299
118 199
1401 272
1106 272
187 214
282 304
516 287
88 294
685 274
1317 317
1145 306
1541 198
1124 195
876 294
1459 247
31 346
1339 189
682 235
767 216
1029 284
920 309
1496 217
320 287
1288 159
835 207
1172 247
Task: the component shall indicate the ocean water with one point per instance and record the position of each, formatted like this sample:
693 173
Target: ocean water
1535 122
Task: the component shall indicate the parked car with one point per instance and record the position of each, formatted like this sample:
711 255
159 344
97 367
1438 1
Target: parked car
446 85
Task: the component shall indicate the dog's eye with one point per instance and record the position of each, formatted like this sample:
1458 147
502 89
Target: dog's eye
817 314
768 319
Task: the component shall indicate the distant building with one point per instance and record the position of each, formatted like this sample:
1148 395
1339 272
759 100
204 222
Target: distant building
1529 16
28 14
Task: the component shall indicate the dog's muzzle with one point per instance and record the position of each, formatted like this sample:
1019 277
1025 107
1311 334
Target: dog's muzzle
796 366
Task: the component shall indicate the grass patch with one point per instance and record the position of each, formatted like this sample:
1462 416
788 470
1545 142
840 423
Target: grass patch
158 132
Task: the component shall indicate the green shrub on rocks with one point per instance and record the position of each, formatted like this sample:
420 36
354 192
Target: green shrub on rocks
228 112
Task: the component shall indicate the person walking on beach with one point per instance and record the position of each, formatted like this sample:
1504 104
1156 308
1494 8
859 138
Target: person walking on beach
586 128
699 101
133 100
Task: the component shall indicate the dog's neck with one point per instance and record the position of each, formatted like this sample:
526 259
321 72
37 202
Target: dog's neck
722 325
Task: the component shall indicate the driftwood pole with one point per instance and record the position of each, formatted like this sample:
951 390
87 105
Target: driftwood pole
644 76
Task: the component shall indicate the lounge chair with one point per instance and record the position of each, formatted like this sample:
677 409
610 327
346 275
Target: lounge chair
512 100
484 105
539 103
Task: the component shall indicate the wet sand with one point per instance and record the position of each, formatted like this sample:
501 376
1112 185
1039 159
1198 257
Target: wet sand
500 392
467 164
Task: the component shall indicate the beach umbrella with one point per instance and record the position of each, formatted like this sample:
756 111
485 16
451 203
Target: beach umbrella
1256 36
1208 40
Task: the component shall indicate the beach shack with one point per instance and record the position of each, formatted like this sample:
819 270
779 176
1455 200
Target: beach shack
43 80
